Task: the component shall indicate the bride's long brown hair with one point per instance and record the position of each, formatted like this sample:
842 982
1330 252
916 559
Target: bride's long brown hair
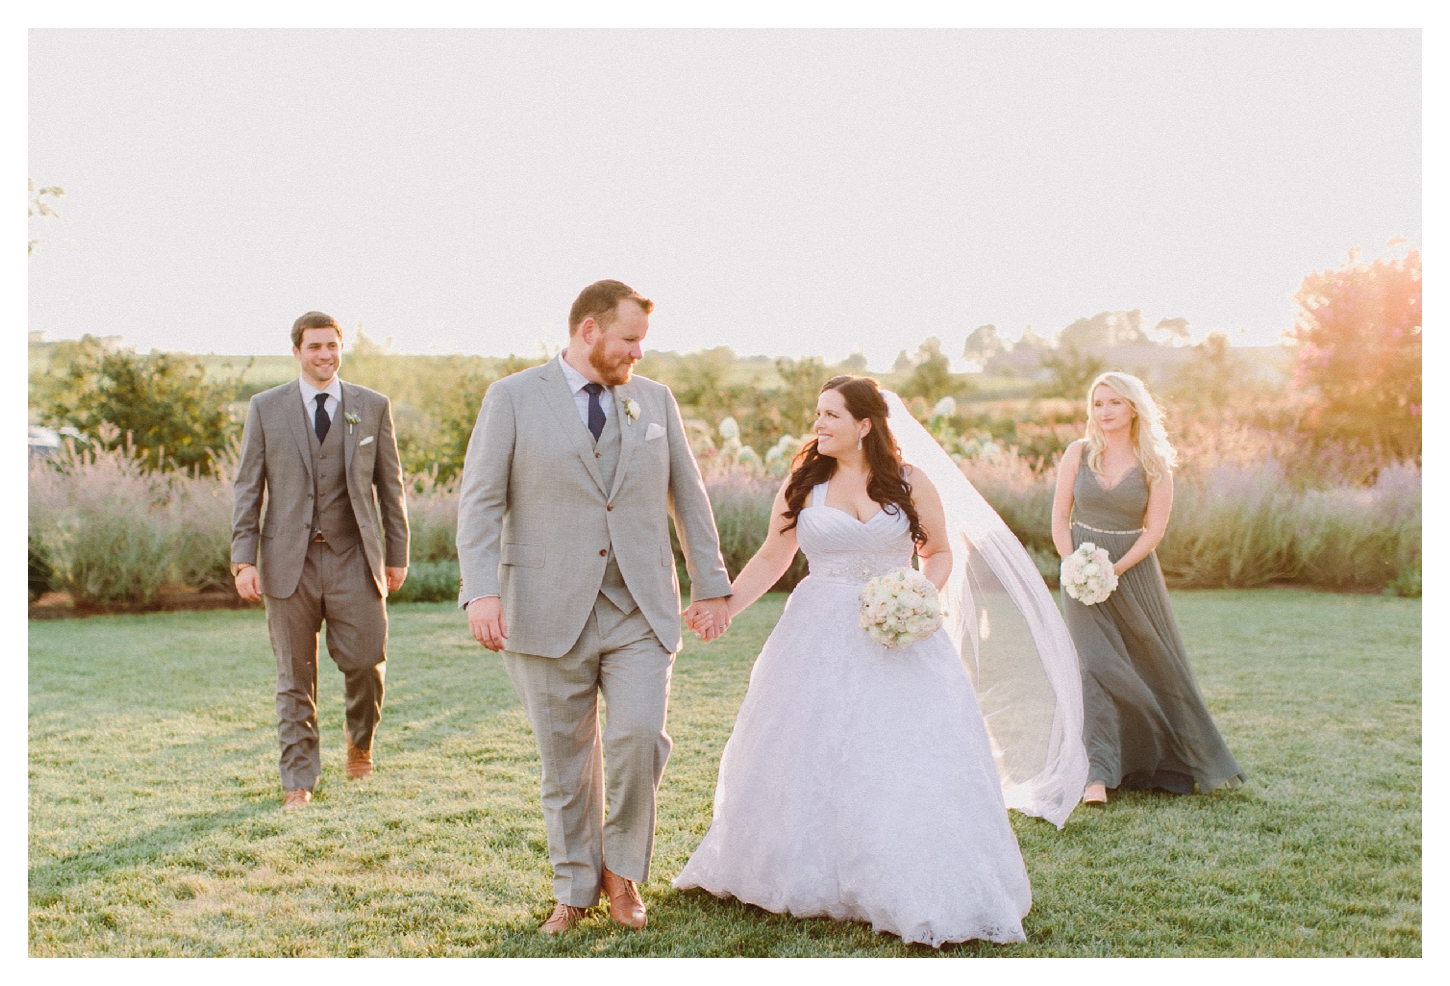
885 483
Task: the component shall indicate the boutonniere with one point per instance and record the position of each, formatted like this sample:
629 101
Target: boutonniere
352 419
631 408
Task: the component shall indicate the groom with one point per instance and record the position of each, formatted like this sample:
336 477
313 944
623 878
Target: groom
572 473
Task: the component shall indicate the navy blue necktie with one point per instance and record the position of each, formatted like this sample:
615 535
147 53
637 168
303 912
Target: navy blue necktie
321 422
596 410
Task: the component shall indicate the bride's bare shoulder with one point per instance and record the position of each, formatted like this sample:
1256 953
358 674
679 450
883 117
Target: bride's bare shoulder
917 478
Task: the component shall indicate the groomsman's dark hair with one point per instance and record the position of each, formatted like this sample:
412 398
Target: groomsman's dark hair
599 301
312 320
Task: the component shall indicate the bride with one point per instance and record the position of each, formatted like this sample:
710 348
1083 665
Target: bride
867 784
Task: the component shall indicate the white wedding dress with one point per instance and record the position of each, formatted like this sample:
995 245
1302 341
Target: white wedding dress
859 783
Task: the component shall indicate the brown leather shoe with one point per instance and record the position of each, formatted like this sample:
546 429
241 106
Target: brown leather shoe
625 906
296 799
564 918
359 761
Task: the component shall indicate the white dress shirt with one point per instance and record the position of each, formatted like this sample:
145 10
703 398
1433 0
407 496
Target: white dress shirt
577 382
333 390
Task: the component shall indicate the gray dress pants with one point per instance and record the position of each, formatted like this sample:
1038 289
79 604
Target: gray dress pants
336 588
617 656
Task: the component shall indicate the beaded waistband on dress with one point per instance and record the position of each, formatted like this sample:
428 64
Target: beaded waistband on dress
1099 530
859 570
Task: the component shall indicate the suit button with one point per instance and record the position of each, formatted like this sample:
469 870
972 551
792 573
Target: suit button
603 552
596 455
609 506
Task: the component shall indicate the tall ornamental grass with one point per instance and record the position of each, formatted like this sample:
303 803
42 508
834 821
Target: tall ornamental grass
1239 524
112 532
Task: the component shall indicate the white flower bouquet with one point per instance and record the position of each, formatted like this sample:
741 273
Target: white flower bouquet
900 608
1087 574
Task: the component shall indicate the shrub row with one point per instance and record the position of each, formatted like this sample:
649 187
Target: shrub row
106 530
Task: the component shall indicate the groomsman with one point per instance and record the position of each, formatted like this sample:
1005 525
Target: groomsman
332 543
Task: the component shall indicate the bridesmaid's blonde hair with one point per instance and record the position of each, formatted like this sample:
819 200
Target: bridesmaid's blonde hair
1150 442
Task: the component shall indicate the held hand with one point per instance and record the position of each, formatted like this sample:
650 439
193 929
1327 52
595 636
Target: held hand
486 622
709 617
693 615
395 577
249 584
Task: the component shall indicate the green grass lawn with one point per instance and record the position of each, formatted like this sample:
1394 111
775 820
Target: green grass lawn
156 829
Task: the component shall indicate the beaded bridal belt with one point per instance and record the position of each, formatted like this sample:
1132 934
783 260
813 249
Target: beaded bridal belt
1099 530
861 570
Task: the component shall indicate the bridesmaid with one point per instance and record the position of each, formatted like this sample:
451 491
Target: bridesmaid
1144 721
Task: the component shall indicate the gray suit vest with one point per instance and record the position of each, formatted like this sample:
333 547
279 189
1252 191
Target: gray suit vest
332 507
607 449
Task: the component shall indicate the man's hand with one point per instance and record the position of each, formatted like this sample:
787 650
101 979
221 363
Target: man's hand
395 577
486 622
708 617
249 584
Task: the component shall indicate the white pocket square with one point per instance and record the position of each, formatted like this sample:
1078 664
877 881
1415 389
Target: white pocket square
365 441
653 431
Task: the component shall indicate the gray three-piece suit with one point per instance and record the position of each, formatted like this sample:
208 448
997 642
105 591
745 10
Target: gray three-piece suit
573 535
320 520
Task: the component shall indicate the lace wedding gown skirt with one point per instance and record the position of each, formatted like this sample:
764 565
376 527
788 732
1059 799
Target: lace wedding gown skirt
859 782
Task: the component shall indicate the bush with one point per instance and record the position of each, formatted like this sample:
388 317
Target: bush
1407 583
432 518
104 525
161 406
741 501
429 582
105 528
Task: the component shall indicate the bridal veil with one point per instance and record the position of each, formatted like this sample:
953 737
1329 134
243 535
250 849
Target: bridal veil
1010 636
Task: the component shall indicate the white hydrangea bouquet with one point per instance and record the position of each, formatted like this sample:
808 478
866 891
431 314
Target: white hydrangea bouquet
900 608
1087 574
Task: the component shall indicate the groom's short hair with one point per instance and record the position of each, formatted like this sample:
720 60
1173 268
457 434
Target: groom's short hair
600 300
312 320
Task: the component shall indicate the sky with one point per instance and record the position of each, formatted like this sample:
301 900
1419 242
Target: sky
785 193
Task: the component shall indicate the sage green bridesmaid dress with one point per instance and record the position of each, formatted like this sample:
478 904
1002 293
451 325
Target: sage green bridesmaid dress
1144 721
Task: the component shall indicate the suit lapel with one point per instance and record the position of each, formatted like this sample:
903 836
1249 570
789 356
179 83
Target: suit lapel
629 435
349 440
561 403
299 428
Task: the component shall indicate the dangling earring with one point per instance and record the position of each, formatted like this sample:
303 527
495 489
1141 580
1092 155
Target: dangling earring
858 443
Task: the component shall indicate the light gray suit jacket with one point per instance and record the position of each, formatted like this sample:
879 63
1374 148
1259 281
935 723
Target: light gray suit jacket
276 464
535 521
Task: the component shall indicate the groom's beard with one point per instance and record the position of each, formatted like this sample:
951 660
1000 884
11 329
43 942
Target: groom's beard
610 374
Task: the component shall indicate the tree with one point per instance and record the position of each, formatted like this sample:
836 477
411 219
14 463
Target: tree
1072 370
1212 377
931 374
1175 330
983 344
162 404
1359 349
703 383
36 205
794 408
1104 329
